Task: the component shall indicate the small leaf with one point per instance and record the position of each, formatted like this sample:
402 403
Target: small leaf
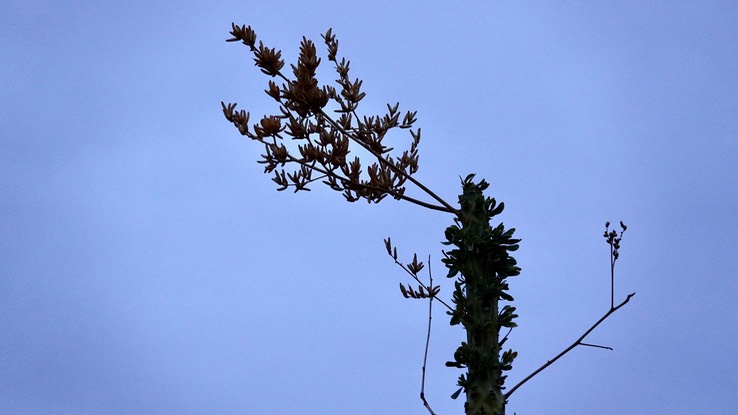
496 211
456 394
404 291
415 266
505 296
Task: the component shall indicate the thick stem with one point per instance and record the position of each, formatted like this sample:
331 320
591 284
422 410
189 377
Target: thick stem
483 393
480 259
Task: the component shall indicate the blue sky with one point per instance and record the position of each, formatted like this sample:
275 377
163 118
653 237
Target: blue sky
148 266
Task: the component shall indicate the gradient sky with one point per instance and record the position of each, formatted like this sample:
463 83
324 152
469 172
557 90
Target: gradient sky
147 266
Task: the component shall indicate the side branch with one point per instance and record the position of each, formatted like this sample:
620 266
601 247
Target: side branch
327 173
326 138
427 342
577 342
613 239
413 270
446 206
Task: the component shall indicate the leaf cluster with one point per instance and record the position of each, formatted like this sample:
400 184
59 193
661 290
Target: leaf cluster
414 267
420 293
323 142
613 239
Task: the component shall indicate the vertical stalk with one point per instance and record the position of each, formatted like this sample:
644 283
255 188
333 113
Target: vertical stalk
481 257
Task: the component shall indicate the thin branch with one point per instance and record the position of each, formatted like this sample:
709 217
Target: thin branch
614 241
576 343
596 346
612 278
427 341
415 277
332 173
504 339
446 206
366 186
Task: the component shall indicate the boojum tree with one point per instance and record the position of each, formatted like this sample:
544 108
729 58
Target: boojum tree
317 128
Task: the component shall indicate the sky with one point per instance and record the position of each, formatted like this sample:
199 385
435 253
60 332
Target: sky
147 265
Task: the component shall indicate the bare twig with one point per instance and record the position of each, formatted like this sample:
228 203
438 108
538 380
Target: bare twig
427 341
612 279
614 241
504 339
576 343
595 345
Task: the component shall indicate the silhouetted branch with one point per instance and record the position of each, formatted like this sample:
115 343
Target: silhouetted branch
446 206
427 342
412 270
613 239
364 185
576 343
326 139
353 136
595 346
